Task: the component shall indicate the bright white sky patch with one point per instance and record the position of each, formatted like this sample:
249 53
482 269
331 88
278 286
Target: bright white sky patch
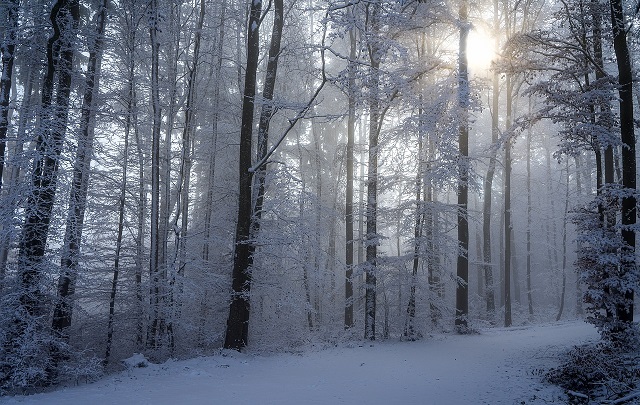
480 51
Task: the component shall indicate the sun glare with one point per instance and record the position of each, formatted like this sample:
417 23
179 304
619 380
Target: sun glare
480 51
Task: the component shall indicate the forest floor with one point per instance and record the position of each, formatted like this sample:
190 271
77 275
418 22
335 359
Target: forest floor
497 366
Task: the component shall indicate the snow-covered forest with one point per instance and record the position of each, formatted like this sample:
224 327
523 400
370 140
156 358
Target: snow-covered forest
178 177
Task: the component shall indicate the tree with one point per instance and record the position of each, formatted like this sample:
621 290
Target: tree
129 122
375 123
349 234
489 289
507 210
8 48
268 109
238 321
624 308
26 325
79 187
157 321
462 287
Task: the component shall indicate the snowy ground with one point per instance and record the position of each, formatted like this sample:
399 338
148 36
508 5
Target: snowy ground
498 366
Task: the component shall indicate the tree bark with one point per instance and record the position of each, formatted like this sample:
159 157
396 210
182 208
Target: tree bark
238 321
129 122
409 330
462 268
529 208
216 73
627 134
375 122
63 311
153 337
64 17
8 52
349 234
507 211
564 248
489 289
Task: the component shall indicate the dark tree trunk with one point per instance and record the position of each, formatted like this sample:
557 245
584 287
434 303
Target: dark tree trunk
579 310
63 311
349 234
507 213
153 340
462 286
375 122
625 91
238 321
564 248
51 133
265 117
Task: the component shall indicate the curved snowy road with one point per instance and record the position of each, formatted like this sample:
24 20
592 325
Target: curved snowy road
499 366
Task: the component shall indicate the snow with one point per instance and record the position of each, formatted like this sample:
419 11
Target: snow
137 360
497 366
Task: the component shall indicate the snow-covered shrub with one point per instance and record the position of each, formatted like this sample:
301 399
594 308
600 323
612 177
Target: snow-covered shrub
25 343
83 367
136 361
598 371
602 265
32 356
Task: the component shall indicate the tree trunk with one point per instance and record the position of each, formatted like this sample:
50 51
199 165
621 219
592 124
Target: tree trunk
431 230
579 309
182 205
349 234
238 321
488 186
507 211
564 248
625 91
155 239
164 322
64 17
140 232
375 123
217 73
11 197
529 207
462 268
63 311
409 330
8 52
129 122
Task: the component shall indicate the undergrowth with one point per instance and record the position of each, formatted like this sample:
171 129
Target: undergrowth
598 372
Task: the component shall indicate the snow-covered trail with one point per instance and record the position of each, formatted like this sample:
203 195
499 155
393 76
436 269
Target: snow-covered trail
499 366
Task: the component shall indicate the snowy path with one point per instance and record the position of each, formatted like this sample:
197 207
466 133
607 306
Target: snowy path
497 367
